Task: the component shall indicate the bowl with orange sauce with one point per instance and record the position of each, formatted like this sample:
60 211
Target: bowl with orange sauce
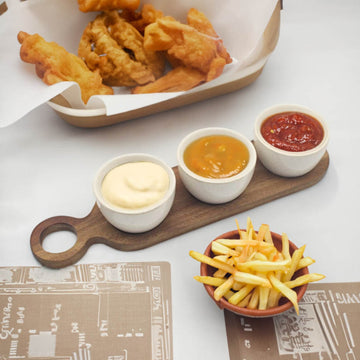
216 164
290 139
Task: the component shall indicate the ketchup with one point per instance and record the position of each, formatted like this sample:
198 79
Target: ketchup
292 131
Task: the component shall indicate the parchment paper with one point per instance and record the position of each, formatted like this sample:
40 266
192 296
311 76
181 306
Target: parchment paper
240 23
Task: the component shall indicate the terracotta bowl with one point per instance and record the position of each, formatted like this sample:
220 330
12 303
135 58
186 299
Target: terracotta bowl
284 304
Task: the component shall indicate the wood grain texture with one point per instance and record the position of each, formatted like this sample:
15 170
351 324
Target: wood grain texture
186 215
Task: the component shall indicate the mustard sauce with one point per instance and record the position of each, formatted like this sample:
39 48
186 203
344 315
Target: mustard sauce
216 156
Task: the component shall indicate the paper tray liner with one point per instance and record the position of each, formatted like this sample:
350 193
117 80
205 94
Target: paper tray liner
94 311
84 118
327 327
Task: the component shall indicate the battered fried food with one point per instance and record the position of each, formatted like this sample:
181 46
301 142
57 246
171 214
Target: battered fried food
201 23
140 20
114 47
195 45
54 64
195 51
179 79
103 5
133 43
124 46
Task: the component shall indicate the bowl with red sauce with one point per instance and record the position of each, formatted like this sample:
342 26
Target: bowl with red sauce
290 140
216 164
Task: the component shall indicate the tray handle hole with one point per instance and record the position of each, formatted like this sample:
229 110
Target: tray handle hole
59 241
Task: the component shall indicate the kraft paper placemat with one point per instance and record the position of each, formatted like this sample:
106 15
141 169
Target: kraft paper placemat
327 328
112 311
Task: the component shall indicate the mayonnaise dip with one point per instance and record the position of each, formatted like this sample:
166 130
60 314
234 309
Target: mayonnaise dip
135 185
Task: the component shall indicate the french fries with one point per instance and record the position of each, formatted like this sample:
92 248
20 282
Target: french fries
252 272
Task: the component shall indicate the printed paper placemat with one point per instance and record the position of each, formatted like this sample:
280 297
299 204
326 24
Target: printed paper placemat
114 311
327 328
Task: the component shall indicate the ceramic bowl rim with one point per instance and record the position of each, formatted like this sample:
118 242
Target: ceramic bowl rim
202 132
272 110
128 158
224 304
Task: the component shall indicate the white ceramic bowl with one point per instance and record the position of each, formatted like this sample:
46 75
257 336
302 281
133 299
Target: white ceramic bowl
134 220
215 191
288 163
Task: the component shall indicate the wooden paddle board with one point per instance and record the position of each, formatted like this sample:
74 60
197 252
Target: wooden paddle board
187 214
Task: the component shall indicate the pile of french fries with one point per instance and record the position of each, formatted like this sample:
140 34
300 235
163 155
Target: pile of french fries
251 272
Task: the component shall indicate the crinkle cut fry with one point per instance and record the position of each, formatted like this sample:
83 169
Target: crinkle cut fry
101 51
127 36
103 5
178 79
54 64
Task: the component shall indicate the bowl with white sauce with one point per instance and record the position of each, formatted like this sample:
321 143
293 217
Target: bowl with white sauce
135 192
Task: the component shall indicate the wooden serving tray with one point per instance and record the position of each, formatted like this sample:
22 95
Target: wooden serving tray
186 215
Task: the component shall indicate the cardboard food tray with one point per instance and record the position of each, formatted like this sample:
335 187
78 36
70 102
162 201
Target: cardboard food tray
186 215
92 118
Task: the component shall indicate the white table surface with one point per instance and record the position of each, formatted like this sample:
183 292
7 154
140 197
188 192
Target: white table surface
47 167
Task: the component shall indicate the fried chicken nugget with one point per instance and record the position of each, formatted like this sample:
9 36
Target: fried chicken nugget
179 79
104 5
195 45
115 48
54 64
